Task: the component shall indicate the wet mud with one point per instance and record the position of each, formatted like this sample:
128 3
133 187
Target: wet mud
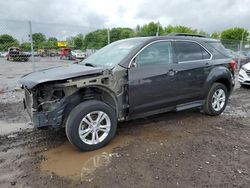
185 149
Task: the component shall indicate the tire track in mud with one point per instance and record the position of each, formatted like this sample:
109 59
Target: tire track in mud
183 149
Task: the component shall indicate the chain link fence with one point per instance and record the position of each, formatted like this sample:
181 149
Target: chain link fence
26 40
240 50
42 45
31 46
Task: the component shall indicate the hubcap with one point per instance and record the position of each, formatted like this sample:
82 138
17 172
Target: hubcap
218 100
94 127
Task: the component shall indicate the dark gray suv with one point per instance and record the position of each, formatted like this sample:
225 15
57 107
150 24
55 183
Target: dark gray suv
128 79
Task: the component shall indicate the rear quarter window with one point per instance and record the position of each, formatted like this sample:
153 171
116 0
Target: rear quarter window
218 50
189 51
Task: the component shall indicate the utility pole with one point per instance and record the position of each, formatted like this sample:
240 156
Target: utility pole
241 45
31 47
108 36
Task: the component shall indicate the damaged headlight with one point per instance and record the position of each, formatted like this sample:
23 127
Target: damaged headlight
48 99
49 105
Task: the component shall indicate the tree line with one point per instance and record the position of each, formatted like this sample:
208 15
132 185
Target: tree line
99 38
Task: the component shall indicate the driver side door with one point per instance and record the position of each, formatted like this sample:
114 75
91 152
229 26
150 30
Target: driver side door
152 79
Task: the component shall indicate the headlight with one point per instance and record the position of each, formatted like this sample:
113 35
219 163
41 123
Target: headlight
244 68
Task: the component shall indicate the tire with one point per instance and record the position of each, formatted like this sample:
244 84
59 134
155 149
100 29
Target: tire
77 120
215 110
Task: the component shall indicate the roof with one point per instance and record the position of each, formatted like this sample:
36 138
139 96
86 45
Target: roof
175 36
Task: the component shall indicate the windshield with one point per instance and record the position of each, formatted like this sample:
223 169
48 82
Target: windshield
77 51
113 53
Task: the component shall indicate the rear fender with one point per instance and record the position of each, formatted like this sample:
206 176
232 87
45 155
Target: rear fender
218 74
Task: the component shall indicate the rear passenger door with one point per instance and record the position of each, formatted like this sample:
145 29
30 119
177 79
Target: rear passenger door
193 67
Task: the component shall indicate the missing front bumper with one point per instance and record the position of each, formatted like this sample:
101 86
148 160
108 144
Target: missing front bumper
52 119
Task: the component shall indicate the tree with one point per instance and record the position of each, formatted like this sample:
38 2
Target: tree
182 29
52 39
96 39
25 46
78 41
215 35
150 29
39 40
7 41
38 37
52 43
235 33
121 33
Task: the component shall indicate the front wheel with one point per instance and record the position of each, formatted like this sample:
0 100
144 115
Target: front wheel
217 99
91 125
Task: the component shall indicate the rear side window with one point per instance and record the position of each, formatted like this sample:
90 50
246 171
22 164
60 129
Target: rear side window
190 51
218 50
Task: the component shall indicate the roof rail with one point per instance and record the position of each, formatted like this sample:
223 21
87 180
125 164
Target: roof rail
187 35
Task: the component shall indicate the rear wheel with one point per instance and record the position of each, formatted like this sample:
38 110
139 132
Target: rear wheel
91 125
217 99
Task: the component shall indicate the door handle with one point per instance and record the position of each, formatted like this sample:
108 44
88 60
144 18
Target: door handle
172 72
207 64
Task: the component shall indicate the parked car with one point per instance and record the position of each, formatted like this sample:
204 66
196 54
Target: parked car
36 54
27 53
3 54
65 53
244 75
15 54
242 56
130 79
44 52
245 53
78 54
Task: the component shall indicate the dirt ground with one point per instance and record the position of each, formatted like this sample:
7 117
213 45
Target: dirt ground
184 149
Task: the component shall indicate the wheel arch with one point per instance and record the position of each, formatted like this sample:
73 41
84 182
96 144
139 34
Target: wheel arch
218 75
96 92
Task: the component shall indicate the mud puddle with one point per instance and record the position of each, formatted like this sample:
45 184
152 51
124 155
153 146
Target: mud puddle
66 161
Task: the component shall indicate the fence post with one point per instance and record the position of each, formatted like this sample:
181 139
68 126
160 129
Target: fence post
158 28
240 49
31 47
108 36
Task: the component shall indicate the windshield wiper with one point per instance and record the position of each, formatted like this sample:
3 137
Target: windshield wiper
89 64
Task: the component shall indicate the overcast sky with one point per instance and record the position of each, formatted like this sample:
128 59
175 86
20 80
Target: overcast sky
74 16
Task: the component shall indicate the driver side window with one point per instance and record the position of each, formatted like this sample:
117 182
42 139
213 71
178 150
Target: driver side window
154 54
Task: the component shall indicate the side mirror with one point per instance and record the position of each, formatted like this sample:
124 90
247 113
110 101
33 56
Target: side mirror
134 63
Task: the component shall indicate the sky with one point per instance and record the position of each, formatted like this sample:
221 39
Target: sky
62 18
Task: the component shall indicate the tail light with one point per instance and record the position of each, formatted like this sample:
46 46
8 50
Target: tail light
233 65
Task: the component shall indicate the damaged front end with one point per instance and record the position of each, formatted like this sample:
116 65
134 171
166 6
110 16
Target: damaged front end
45 105
50 102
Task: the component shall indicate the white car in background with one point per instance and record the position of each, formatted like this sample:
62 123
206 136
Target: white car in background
3 54
244 75
78 54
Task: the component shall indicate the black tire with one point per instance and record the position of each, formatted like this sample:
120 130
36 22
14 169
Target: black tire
208 108
78 113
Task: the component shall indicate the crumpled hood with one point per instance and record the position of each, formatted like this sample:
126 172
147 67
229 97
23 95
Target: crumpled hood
57 73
